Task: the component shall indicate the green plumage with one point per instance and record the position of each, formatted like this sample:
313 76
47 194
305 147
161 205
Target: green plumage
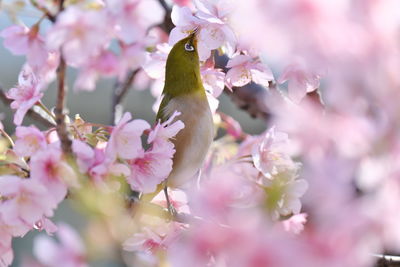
182 74
184 92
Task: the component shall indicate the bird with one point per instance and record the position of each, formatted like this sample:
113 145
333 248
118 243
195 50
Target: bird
184 92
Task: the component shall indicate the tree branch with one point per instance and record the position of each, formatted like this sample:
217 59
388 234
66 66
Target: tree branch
62 131
167 24
252 97
119 92
387 261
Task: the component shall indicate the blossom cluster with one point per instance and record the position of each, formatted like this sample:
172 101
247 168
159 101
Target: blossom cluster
321 184
40 176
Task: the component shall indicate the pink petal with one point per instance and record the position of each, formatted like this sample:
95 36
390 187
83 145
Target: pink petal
238 76
16 39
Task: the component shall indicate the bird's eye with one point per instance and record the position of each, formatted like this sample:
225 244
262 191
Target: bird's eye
189 47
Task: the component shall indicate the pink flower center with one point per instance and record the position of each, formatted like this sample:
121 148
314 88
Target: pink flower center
51 169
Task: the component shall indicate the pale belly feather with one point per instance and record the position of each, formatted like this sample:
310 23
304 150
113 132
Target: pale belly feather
193 141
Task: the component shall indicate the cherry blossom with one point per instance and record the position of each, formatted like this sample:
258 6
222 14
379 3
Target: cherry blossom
132 57
328 196
6 252
213 81
150 169
153 166
177 197
132 18
49 168
283 193
85 155
70 251
24 202
105 64
30 140
295 224
80 34
153 238
125 139
47 225
16 39
244 69
301 82
209 22
26 94
21 40
271 154
162 132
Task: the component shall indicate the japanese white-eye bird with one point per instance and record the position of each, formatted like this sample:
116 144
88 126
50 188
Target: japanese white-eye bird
184 92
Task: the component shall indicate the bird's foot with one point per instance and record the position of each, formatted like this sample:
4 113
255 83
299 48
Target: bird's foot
171 209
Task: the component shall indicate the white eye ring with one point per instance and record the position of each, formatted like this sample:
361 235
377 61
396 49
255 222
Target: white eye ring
189 47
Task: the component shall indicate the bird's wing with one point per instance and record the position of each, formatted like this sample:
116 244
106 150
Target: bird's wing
161 110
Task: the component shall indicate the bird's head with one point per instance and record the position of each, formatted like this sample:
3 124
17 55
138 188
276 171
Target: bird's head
185 52
183 67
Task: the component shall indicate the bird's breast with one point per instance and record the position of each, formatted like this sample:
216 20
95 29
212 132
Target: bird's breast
193 141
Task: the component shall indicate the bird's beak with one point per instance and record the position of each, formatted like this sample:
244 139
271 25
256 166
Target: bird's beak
193 38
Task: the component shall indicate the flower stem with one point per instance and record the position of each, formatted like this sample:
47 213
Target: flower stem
9 139
45 109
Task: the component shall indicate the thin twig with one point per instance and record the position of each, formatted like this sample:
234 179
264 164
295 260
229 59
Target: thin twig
66 143
46 12
167 24
119 92
9 139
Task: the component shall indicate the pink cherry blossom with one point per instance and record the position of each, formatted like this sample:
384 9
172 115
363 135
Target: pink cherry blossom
244 69
125 140
24 202
16 39
212 30
29 141
80 34
300 80
162 132
105 64
213 80
50 169
132 18
150 169
132 57
26 94
85 155
153 166
6 252
21 40
156 61
217 13
271 155
70 250
295 224
47 225
283 193
231 126
96 163
153 238
177 197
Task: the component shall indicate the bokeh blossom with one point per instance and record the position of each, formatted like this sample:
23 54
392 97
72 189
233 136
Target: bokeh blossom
320 184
